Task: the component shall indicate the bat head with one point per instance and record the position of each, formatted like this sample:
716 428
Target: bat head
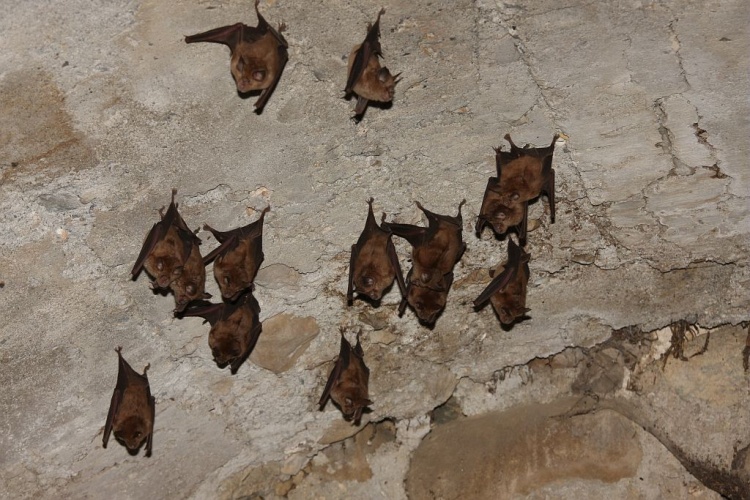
388 84
508 315
352 408
189 287
225 349
164 267
132 432
232 278
250 73
499 215
427 303
372 281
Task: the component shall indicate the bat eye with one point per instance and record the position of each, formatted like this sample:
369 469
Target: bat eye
368 281
190 289
226 280
159 265
259 75
383 75
500 215
137 434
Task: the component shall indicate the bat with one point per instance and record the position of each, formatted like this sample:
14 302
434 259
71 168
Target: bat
435 248
167 247
347 383
522 175
238 258
373 264
427 302
258 55
132 409
366 77
507 290
235 328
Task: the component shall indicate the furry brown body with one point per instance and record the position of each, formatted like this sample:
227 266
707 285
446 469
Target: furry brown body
347 384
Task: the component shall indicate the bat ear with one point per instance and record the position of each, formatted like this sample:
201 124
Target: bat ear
383 74
207 295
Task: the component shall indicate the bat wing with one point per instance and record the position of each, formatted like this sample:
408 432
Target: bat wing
350 288
266 93
549 187
227 35
152 408
227 244
415 235
208 311
498 283
156 234
114 406
393 256
523 227
341 363
253 335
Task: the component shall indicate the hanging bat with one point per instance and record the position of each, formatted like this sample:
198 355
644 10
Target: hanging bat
435 248
427 302
522 175
373 264
238 258
347 383
507 290
167 247
235 328
526 173
258 55
132 409
367 78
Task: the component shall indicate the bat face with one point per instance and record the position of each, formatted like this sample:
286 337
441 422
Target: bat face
190 285
132 409
501 212
374 264
132 432
347 384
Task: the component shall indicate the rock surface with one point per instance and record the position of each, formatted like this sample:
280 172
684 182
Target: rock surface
104 109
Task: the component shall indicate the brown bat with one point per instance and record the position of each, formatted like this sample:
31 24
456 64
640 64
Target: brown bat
132 409
367 78
347 383
238 258
258 55
235 328
522 175
507 290
373 264
167 247
435 248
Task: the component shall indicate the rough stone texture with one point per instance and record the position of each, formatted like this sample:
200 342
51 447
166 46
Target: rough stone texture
104 109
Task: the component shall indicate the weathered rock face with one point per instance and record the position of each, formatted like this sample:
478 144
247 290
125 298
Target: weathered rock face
103 111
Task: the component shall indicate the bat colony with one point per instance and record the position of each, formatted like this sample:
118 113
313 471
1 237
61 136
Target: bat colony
171 251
